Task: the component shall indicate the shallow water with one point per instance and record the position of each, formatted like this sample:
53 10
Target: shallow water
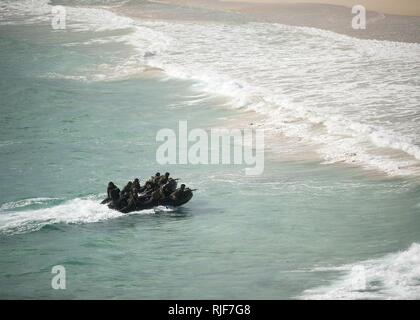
78 110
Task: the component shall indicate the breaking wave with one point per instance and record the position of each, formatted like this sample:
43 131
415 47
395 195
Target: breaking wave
76 211
395 276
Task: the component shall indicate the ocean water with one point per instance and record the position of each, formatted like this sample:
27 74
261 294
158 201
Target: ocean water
82 106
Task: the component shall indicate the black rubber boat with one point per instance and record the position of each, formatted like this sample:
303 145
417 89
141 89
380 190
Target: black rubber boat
168 202
149 204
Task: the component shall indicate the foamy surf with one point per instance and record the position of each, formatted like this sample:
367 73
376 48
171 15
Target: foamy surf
76 211
26 203
352 101
395 276
368 120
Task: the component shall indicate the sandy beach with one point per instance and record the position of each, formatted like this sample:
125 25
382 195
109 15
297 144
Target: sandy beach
386 20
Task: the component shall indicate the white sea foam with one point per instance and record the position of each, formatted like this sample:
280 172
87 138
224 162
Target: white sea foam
76 211
25 203
395 276
77 18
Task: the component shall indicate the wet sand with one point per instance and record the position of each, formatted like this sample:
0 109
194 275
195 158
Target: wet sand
336 18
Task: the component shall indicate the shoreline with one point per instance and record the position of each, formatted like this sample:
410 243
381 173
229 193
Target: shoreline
331 17
304 152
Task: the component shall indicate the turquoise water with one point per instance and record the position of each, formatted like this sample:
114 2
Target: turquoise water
74 116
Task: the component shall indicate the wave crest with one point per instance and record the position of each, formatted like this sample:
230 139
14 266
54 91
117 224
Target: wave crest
76 211
395 276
